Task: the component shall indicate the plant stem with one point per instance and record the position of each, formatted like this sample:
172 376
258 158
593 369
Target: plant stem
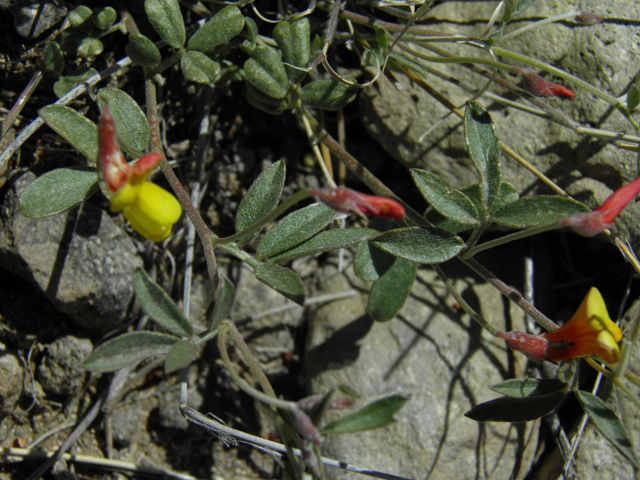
240 382
634 398
368 178
555 18
250 360
156 144
511 238
471 60
614 102
465 306
511 294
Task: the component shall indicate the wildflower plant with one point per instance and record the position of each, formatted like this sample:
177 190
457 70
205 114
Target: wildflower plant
281 75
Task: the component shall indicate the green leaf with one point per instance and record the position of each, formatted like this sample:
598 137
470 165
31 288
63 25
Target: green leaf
608 424
371 263
53 59
633 97
166 19
264 102
261 198
328 94
390 292
375 415
90 47
506 194
519 6
197 67
453 204
532 211
484 149
326 242
250 32
159 306
127 349
142 51
295 228
265 71
131 122
513 409
103 18
220 309
283 281
220 29
529 387
58 191
69 82
420 244
180 356
293 39
79 131
79 18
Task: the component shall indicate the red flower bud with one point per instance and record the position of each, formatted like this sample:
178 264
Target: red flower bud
346 200
534 347
588 18
539 87
593 223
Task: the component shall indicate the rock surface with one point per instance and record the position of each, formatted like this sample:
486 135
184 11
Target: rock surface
11 376
59 370
586 168
81 260
433 353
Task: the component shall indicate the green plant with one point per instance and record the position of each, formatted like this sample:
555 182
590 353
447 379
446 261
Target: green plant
280 75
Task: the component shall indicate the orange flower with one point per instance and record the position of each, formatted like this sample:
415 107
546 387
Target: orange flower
589 332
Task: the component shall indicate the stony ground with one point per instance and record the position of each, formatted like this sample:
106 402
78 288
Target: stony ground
43 395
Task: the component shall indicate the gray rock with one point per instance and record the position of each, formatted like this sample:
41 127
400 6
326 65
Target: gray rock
586 168
81 260
436 355
59 371
11 377
32 18
270 336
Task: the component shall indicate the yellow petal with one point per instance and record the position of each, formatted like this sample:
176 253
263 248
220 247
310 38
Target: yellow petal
126 195
153 213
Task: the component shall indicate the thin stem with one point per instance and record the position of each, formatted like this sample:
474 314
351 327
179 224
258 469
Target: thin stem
511 294
512 237
614 102
634 398
275 213
20 103
156 145
472 60
250 360
555 18
240 382
368 178
267 446
465 306
474 237
320 158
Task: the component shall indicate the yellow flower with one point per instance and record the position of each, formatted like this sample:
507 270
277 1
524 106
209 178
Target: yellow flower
589 332
151 210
